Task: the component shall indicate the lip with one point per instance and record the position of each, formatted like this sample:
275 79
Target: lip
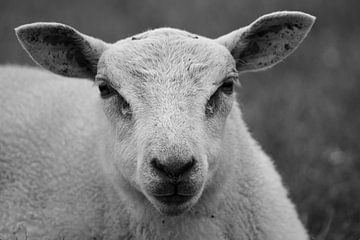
174 199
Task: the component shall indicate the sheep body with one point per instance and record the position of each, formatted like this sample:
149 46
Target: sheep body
43 154
51 178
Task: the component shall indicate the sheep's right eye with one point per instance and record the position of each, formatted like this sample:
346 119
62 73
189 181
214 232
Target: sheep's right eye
106 90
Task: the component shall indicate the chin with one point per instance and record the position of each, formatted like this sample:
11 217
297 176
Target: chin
173 205
173 209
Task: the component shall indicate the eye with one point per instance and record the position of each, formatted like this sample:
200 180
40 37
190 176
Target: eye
213 103
227 87
106 90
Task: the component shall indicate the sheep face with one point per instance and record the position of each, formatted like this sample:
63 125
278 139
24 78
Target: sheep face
170 94
166 96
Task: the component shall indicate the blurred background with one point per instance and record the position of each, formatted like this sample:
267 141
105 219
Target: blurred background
305 112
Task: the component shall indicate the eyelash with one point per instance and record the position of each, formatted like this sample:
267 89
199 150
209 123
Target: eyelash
106 90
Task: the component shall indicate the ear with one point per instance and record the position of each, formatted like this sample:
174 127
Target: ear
268 40
61 49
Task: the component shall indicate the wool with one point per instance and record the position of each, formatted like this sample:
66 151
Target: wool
73 165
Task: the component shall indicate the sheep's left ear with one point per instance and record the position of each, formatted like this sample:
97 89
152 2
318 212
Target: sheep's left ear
268 40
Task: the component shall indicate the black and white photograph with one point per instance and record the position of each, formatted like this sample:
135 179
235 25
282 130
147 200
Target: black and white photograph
179 120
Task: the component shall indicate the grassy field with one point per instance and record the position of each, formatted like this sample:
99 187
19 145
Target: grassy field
305 112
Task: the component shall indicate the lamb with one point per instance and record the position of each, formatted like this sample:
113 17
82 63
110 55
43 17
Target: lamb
159 151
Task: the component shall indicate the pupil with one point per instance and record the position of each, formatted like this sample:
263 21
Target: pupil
104 90
227 87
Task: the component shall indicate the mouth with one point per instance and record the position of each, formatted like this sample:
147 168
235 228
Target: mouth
173 200
174 194
173 205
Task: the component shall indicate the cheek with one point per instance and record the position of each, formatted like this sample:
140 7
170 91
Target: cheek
122 148
215 133
111 108
213 149
225 109
125 159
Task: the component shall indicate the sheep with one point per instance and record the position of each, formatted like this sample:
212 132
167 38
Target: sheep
159 151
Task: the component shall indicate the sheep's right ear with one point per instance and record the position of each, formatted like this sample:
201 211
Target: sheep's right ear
61 49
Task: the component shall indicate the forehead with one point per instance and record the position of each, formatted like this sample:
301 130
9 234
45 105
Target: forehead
164 55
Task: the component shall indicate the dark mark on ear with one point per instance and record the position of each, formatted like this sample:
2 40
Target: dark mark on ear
64 71
34 36
287 46
299 26
289 26
261 33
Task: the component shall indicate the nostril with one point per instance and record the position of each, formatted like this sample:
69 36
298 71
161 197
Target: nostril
172 167
161 167
187 166
155 163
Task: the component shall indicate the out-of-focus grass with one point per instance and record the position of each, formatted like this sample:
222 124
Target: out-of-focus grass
308 120
304 112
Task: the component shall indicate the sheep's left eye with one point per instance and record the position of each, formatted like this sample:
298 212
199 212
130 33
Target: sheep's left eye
106 90
227 87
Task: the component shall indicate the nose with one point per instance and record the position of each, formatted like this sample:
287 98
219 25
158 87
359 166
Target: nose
173 167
